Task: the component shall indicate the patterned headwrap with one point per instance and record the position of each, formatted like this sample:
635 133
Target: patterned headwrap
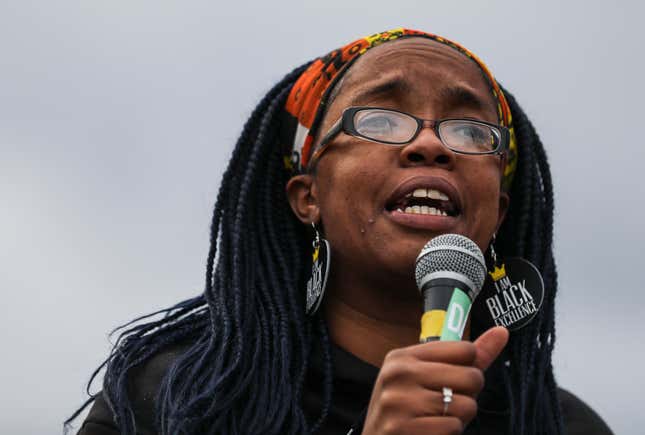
308 97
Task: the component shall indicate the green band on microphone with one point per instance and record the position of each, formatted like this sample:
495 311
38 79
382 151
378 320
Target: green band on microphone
456 316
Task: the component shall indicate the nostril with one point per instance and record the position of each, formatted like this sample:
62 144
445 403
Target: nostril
442 159
415 157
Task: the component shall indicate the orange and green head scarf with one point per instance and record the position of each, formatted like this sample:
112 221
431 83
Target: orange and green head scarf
306 102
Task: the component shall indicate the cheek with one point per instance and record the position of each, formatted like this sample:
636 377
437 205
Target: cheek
348 193
484 218
341 210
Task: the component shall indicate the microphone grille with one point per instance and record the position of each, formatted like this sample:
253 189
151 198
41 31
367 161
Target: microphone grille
454 253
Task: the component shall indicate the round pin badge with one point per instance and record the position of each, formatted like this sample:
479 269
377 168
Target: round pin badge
512 295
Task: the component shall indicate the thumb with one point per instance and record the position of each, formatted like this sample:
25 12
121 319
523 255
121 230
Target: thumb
489 345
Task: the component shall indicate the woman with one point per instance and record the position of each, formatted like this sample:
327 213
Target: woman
347 148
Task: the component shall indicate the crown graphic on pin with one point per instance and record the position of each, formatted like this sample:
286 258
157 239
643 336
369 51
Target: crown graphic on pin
498 273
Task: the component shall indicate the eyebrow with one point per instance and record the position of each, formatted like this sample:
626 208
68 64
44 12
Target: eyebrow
462 96
454 95
392 85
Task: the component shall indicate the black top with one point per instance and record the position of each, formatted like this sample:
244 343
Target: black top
353 381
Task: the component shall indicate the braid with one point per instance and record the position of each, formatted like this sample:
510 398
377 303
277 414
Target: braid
251 340
528 232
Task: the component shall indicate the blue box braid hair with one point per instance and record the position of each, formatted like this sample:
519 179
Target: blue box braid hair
251 340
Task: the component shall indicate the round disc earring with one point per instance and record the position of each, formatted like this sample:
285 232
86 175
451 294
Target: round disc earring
319 273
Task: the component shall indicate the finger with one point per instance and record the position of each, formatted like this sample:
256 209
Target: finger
419 402
450 352
489 345
433 376
428 425
462 379
460 406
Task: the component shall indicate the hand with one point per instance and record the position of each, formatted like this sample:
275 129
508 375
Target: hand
407 396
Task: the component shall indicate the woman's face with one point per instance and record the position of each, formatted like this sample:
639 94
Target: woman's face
358 185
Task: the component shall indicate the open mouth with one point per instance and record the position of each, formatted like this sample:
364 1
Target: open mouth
424 201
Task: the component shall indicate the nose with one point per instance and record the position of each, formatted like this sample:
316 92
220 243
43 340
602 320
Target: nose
427 150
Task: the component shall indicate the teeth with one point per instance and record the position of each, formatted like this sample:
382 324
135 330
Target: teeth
429 193
419 193
435 194
423 209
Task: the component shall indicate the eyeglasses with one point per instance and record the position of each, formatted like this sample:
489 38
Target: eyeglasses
392 127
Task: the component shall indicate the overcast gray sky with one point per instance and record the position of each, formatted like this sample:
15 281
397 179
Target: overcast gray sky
117 119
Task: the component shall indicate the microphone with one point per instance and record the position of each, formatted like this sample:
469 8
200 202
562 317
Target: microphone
450 272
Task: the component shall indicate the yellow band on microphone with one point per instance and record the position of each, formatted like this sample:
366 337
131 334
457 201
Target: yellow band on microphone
432 325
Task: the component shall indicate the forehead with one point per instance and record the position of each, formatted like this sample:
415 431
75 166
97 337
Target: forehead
420 67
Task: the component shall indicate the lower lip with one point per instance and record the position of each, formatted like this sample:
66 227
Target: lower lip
423 221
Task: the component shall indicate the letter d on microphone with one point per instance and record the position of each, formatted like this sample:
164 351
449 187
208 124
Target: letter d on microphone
457 312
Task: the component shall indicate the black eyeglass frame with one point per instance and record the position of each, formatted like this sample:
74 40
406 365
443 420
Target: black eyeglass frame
346 124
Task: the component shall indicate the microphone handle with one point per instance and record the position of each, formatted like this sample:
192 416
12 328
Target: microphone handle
446 307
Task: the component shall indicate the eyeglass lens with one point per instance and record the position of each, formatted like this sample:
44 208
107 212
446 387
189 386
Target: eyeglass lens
398 128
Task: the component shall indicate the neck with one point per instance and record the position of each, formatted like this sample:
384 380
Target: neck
372 328
370 323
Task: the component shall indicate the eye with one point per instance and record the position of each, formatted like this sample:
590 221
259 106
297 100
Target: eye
376 124
385 126
472 133
468 136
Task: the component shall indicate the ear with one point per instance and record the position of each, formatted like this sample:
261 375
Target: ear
302 194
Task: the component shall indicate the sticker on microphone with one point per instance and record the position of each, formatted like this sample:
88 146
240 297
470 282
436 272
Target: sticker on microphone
512 294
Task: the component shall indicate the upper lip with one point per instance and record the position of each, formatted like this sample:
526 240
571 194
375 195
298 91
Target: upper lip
425 182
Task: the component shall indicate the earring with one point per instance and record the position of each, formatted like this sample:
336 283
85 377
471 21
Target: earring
319 273
513 292
493 254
